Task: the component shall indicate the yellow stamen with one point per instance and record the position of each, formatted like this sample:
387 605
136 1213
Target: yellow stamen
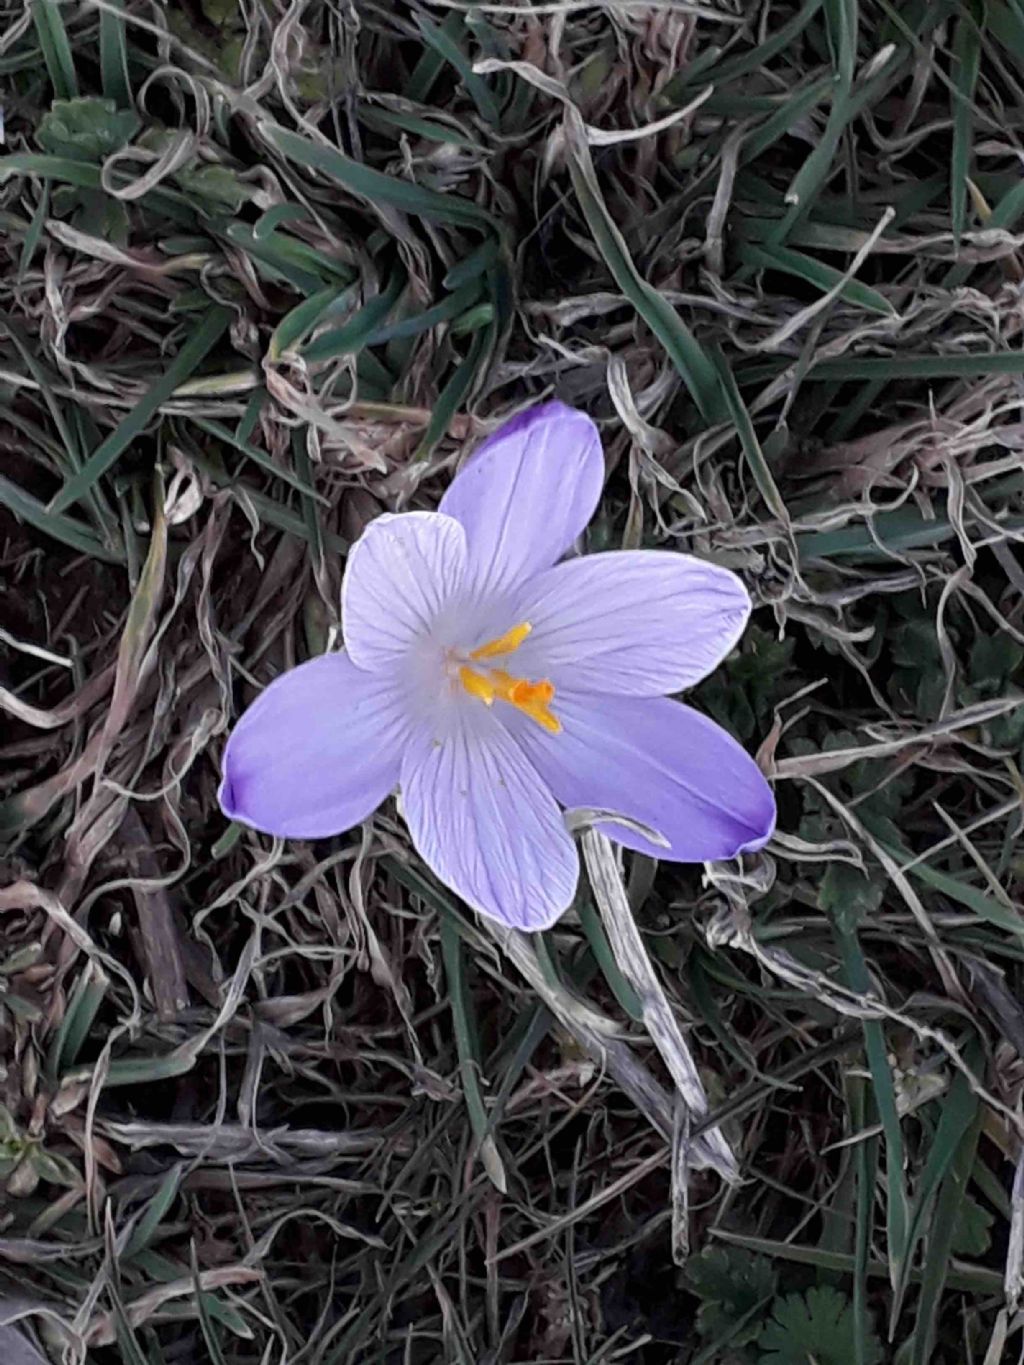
477 685
532 698
504 644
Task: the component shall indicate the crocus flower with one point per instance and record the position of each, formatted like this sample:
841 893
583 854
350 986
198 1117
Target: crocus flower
493 685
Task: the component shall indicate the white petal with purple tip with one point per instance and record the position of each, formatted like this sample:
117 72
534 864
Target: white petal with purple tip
660 763
526 494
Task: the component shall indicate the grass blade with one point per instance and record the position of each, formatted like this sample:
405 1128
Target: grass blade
155 1212
372 185
866 1172
857 977
478 261
266 508
935 1272
171 203
305 316
450 307
46 381
966 60
304 468
624 993
53 40
258 457
959 1111
896 367
817 273
731 69
445 45
428 68
685 352
351 338
974 1279
35 232
90 990
114 56
64 529
199 344
287 259
454 392
749 443
466 1044
206 1325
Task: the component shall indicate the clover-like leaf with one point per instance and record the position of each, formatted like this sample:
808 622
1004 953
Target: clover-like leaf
994 659
86 129
730 1283
742 694
973 1233
816 1328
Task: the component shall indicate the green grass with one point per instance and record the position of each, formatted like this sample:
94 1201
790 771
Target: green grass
258 285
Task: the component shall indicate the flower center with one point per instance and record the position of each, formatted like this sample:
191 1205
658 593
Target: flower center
488 684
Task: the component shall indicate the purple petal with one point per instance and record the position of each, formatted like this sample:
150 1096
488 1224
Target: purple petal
638 623
483 820
657 762
527 493
401 574
316 752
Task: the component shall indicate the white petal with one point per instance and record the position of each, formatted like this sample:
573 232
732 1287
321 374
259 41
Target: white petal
485 823
402 573
637 623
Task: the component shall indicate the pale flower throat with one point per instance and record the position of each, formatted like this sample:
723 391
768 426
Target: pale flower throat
488 684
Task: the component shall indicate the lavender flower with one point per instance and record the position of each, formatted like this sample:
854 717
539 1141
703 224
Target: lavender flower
492 685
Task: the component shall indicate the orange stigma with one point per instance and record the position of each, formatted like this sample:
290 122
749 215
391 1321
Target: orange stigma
490 684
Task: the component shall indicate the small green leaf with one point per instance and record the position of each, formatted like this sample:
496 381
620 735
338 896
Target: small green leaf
814 1327
742 694
215 186
21 959
20 1008
86 129
730 1283
972 1233
994 659
98 215
55 1168
848 894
